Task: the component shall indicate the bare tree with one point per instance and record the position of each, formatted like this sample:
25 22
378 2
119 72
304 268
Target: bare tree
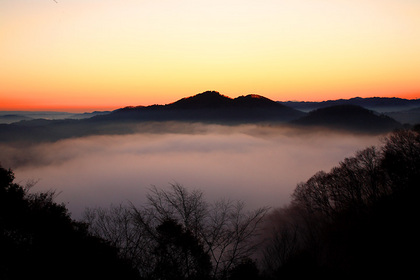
225 229
230 234
116 225
186 207
357 181
402 159
316 195
282 229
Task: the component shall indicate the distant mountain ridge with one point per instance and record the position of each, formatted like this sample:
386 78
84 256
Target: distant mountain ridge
207 107
16 116
410 116
210 106
379 104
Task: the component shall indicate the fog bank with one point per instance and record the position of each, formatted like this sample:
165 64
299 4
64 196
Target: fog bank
260 165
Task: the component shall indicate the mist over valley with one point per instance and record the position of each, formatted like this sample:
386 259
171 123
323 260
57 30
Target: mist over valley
260 165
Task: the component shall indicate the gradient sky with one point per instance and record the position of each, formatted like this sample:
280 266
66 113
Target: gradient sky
106 54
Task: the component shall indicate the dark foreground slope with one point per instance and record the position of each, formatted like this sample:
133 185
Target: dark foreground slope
39 240
349 117
357 221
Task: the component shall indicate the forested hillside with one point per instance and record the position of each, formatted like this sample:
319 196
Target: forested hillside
358 219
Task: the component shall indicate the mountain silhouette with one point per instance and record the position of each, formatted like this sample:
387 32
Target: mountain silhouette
11 118
205 100
206 107
16 116
213 99
210 106
411 116
349 117
379 104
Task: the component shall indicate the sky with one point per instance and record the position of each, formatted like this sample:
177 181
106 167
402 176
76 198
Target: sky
84 55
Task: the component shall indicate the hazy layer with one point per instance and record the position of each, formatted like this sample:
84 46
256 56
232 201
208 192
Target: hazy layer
259 165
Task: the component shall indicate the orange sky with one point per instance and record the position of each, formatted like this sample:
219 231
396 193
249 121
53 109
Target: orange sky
105 54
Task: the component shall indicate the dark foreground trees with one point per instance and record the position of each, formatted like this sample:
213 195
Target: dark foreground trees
178 235
359 219
39 240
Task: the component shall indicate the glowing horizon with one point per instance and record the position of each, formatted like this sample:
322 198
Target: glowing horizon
103 55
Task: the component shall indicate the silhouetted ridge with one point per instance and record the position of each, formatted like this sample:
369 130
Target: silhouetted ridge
411 116
349 117
213 99
254 100
379 104
210 106
208 99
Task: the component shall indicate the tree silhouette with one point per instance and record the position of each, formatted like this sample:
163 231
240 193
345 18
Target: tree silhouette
179 254
225 230
245 270
401 160
38 239
358 219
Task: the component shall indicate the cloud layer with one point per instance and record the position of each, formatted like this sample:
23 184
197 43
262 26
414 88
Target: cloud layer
260 165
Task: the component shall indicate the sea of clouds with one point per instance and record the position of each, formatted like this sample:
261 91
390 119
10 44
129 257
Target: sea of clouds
259 165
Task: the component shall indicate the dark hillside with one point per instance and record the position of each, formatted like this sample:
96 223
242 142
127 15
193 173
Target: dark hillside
379 104
411 116
39 240
210 106
358 220
349 117
205 100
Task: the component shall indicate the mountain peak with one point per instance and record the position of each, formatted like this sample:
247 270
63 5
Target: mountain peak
202 100
255 96
209 93
252 100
